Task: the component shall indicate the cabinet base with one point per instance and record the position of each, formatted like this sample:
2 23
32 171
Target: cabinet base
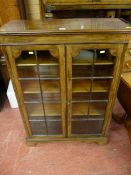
98 140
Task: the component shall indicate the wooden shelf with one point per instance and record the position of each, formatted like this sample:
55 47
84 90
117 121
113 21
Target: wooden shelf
80 109
88 108
85 96
30 60
51 86
38 109
100 86
85 86
30 86
97 108
81 86
42 72
88 62
86 58
98 71
30 72
37 97
48 86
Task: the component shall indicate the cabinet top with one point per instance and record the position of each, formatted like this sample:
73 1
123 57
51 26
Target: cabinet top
58 26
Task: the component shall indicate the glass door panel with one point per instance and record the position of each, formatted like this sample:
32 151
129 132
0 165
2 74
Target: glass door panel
101 85
81 85
39 76
50 86
90 76
97 108
80 108
49 71
38 127
30 86
80 96
30 72
103 71
83 125
34 109
81 71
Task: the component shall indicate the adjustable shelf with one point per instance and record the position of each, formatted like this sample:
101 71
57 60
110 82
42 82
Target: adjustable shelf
35 86
46 109
37 97
33 58
38 72
83 128
88 62
85 86
83 108
84 96
46 129
96 57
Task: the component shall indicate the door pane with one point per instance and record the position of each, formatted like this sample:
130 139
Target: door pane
85 125
39 76
92 73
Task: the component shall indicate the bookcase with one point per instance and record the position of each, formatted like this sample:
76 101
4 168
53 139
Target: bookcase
65 77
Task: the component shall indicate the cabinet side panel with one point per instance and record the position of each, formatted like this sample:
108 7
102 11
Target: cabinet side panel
13 75
114 87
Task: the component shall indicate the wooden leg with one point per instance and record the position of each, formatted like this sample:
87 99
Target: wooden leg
31 143
102 141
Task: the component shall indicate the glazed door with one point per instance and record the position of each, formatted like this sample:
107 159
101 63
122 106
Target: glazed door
93 73
40 74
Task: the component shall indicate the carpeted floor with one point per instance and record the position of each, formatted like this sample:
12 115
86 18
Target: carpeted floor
60 158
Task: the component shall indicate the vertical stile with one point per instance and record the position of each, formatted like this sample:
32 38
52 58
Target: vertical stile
114 86
92 79
63 87
16 84
69 87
